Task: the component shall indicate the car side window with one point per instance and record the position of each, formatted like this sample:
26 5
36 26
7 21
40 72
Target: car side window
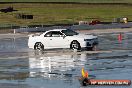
56 34
48 34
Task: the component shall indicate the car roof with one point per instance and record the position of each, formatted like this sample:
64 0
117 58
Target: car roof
57 29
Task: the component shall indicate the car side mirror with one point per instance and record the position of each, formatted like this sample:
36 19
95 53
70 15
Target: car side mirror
63 36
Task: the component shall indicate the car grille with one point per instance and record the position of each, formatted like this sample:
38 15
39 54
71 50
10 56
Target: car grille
91 42
88 44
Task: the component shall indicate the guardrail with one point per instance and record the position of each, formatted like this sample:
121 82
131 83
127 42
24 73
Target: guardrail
75 27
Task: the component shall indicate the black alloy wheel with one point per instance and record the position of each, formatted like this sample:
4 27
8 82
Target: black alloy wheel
39 46
75 45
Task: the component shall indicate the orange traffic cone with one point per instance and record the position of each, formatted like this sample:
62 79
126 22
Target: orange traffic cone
86 74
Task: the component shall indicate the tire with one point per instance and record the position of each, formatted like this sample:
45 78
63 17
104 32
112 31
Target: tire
39 46
75 45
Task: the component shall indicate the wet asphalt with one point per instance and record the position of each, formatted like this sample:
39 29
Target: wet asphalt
21 67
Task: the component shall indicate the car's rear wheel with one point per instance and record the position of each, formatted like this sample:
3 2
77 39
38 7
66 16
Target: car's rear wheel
75 45
39 46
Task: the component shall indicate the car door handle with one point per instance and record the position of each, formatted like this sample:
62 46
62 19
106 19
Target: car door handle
50 39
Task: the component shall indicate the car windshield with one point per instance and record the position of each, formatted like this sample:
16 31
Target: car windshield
69 32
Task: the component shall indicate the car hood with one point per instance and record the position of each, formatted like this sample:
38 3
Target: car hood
85 36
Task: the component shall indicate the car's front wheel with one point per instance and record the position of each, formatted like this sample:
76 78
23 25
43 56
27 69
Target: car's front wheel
39 46
75 45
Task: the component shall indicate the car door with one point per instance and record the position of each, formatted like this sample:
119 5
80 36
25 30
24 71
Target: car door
58 40
47 40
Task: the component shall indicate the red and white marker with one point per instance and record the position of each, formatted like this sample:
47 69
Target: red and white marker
120 37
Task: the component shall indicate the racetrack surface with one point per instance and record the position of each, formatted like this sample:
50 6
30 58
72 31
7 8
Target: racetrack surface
26 68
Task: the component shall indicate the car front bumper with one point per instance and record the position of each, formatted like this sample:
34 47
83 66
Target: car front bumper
89 43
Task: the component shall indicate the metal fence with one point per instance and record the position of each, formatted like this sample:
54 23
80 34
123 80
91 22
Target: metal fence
8 26
74 27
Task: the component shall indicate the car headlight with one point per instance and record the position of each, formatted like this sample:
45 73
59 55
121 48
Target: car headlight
85 39
96 39
88 39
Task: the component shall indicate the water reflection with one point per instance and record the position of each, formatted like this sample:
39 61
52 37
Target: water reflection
14 69
42 71
56 66
21 68
63 66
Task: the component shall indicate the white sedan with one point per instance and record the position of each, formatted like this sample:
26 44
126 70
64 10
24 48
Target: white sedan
62 38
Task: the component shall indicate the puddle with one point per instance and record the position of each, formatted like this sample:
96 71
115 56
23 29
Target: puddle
28 70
